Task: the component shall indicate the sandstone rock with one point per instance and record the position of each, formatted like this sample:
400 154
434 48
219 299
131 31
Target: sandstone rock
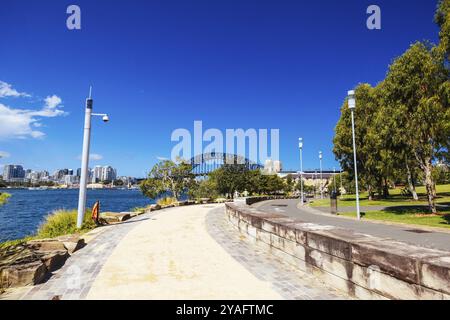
72 243
113 217
23 274
54 260
46 245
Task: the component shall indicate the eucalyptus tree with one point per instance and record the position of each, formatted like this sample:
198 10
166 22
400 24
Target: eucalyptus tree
416 100
167 176
371 160
442 19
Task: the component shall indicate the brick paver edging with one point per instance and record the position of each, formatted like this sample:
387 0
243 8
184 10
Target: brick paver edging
364 266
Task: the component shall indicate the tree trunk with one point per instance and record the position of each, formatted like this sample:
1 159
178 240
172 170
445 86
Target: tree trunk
429 183
370 192
385 189
411 184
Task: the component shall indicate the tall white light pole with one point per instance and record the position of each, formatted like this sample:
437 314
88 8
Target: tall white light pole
321 179
85 157
300 145
352 106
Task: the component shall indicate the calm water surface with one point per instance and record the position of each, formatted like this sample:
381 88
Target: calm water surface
26 209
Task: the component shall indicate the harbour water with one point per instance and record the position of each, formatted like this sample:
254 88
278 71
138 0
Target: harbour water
26 209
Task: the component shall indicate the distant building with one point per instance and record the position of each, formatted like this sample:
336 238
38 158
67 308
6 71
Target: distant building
109 173
272 166
58 175
13 173
70 179
106 173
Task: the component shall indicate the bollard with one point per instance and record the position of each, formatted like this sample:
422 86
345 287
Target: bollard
333 203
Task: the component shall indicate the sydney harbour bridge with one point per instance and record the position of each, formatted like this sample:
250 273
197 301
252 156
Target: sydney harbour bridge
203 164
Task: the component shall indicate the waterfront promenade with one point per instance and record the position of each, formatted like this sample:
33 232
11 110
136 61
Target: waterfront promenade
178 253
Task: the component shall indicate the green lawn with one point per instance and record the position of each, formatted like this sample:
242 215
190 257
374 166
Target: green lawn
4 197
406 216
395 198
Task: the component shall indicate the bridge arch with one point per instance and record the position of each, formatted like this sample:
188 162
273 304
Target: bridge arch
205 163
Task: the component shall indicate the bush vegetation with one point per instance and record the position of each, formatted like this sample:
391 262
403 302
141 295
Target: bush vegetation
4 198
63 222
166 201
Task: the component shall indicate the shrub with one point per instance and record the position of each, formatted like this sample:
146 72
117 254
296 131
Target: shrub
4 197
62 222
166 201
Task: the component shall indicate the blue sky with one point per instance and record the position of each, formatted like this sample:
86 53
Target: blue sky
159 65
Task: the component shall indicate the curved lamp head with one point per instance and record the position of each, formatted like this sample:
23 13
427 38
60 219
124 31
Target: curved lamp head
105 118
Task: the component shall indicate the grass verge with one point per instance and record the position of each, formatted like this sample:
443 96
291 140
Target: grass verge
395 199
58 223
414 216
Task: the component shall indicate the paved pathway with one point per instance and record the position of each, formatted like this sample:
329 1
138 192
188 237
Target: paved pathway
180 253
415 235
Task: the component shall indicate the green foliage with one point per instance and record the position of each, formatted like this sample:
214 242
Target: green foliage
166 201
402 126
230 178
63 222
442 19
204 189
167 176
4 198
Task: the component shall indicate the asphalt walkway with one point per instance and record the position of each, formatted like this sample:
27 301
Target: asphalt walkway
416 235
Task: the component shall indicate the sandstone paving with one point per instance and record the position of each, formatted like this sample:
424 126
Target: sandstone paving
187 252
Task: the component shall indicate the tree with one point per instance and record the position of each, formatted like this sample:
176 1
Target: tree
167 176
289 183
417 96
442 19
372 158
230 178
203 189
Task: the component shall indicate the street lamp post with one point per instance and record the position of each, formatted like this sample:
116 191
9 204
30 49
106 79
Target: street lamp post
352 106
300 145
85 156
321 178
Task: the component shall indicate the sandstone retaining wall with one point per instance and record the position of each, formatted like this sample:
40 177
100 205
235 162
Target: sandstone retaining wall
364 266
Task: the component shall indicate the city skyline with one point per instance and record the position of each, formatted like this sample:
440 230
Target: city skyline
205 68
18 173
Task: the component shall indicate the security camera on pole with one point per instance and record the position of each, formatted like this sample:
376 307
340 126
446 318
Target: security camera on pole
85 156
352 106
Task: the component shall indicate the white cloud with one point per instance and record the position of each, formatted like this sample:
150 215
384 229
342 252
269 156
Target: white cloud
52 102
4 154
93 157
162 158
6 90
18 123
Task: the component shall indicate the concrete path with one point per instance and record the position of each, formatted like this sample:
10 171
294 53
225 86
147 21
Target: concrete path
188 252
415 235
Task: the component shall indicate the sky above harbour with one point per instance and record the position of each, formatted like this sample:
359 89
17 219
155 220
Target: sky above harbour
157 66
